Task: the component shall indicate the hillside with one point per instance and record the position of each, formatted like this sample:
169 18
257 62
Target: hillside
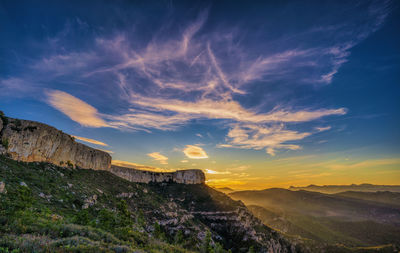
343 188
47 208
386 197
331 219
225 190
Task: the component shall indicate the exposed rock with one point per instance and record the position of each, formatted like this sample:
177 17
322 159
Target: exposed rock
2 150
31 141
125 195
90 202
23 184
141 176
3 187
46 197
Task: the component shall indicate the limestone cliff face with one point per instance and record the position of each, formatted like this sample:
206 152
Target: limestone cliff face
31 141
141 176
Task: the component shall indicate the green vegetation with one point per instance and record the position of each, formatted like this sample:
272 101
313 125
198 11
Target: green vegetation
4 143
69 164
64 209
46 214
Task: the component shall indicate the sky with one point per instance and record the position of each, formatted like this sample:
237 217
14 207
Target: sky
257 94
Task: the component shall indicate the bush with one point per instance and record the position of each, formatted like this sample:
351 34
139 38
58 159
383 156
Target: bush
158 232
107 220
69 164
206 245
4 143
82 218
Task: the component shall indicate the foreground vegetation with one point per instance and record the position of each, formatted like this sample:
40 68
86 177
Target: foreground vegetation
45 208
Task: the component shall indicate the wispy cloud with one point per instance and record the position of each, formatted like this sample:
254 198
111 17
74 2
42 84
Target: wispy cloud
159 157
194 152
89 140
139 166
166 82
105 150
321 129
208 171
259 137
75 109
364 164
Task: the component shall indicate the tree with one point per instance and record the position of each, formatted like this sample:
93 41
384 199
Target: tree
178 237
218 248
206 245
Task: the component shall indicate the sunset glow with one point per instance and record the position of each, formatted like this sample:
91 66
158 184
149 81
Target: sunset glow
256 95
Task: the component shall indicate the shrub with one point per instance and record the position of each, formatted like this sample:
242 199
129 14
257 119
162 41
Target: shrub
206 245
158 232
82 218
69 164
107 219
5 143
178 239
17 122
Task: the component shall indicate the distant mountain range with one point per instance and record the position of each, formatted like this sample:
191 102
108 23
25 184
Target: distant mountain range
225 190
343 188
354 219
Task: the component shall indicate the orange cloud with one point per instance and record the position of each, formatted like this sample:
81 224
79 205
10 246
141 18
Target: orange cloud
194 152
89 140
159 157
139 166
208 171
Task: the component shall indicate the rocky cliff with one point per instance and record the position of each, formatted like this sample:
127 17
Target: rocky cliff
141 176
31 141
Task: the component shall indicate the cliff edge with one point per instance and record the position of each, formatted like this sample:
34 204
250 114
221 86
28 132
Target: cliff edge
142 176
31 141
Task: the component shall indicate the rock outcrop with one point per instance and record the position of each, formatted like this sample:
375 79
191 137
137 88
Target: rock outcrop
31 141
142 176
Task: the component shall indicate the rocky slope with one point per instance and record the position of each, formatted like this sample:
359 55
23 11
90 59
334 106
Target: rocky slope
31 141
47 208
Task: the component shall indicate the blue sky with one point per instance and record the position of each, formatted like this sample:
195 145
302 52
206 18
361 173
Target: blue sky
230 87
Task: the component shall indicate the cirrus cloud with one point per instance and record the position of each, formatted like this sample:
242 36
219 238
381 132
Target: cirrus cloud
159 157
196 73
76 109
90 140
